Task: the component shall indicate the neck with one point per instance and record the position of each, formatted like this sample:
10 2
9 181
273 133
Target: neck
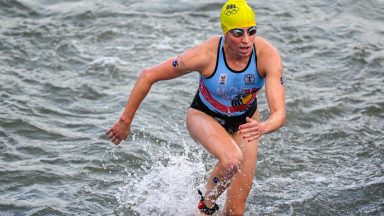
234 58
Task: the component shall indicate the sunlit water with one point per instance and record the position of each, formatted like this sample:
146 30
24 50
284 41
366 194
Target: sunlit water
67 67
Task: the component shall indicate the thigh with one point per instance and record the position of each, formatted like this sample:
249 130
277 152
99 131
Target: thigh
206 131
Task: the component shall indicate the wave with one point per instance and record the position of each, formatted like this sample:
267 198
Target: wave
15 8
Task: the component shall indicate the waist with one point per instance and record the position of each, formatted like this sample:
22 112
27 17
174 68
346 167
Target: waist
234 105
211 110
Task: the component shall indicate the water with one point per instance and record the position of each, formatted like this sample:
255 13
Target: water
66 68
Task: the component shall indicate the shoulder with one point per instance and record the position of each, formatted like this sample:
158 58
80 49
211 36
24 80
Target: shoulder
264 47
203 55
212 42
268 56
208 47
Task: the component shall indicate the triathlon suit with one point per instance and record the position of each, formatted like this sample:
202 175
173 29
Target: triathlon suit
227 95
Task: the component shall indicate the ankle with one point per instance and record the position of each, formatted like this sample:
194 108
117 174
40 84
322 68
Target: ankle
207 207
209 203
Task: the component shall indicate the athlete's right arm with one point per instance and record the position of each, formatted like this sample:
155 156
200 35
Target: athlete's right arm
194 59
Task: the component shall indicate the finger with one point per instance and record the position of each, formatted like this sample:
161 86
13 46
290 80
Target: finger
243 131
244 126
111 135
115 139
250 123
254 138
248 130
250 138
118 142
121 137
108 131
249 135
257 136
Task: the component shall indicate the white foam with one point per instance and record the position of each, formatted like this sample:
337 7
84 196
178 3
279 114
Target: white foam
167 188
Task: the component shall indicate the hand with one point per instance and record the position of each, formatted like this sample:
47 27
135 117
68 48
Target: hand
252 130
118 132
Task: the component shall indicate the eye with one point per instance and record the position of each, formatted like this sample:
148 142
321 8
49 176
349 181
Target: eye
237 32
252 31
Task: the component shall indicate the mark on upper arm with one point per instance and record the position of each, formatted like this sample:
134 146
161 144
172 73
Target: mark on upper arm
178 62
175 63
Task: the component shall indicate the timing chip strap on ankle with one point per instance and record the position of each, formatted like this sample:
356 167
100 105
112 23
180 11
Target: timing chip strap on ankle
204 208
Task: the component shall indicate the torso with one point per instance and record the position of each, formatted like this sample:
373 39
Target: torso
227 89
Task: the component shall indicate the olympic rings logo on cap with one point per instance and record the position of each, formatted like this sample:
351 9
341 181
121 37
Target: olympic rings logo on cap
231 9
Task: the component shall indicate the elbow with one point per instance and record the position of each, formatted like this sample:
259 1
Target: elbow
145 77
283 120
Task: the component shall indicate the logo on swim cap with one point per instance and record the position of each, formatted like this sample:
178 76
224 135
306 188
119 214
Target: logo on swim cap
231 9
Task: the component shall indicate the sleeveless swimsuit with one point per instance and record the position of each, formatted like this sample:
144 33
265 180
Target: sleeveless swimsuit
227 95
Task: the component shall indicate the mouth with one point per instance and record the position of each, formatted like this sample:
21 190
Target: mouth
245 49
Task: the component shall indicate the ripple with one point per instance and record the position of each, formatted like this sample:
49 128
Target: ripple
67 69
17 8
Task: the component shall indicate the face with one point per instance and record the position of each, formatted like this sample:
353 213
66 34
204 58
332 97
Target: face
240 40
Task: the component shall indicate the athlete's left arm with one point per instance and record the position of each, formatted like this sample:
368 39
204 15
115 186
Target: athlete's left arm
274 88
269 64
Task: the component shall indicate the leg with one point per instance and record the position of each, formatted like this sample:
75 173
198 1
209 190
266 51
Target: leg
208 132
241 184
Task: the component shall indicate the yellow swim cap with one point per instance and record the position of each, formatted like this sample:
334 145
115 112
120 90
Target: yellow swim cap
236 14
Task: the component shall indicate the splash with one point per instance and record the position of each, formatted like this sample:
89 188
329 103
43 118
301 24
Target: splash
166 189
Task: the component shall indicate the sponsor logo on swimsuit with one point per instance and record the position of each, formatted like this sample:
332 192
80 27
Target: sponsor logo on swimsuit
244 98
229 93
223 79
231 9
249 79
237 101
221 121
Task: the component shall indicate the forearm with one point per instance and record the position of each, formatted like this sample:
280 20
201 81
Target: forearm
139 91
275 121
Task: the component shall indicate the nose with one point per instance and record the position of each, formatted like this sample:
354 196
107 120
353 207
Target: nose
245 38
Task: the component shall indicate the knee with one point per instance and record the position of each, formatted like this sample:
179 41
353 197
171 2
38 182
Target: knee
232 161
188 117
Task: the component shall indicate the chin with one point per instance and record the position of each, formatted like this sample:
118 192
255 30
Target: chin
244 54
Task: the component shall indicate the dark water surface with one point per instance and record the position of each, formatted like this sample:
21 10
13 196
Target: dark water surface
66 69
